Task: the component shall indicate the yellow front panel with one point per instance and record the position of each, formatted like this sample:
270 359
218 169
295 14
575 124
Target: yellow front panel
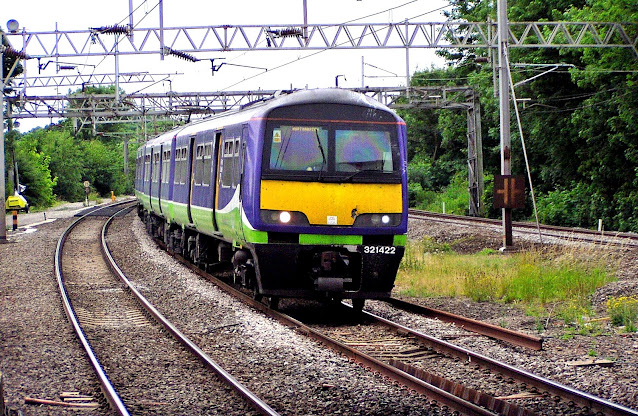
331 203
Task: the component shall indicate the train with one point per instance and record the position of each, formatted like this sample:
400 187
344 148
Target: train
303 195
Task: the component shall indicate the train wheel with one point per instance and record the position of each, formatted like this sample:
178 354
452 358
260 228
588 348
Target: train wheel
273 302
357 304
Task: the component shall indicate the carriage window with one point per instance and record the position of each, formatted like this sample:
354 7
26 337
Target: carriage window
179 166
199 164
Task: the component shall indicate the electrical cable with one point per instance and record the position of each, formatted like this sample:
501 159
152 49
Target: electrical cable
318 52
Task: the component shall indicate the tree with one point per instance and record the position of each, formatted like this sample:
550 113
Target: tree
34 172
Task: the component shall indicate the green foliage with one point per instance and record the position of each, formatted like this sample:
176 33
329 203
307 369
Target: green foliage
580 122
455 197
34 173
65 163
103 167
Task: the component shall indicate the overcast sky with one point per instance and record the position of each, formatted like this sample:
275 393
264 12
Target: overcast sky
316 71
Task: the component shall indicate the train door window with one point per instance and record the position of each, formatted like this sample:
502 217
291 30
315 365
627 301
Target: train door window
156 166
208 163
147 167
179 166
236 163
227 163
199 164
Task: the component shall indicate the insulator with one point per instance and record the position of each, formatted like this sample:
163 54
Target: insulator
115 30
9 51
179 54
287 33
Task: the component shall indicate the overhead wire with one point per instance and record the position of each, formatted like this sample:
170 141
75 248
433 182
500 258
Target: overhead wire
319 52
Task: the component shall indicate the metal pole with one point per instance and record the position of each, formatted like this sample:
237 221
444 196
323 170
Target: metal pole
161 24
363 85
117 72
3 217
126 157
504 103
305 22
130 18
407 57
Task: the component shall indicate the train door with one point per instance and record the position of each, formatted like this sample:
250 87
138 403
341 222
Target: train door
160 176
191 160
151 174
215 174
240 178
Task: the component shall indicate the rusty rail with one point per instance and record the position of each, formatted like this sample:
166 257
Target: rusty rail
483 328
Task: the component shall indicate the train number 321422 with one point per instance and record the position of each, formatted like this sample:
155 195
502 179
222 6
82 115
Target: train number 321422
379 250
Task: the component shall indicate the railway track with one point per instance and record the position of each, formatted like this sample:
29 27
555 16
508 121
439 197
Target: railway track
483 328
125 339
398 352
611 238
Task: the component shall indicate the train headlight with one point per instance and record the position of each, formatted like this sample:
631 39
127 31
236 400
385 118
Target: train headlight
378 220
285 217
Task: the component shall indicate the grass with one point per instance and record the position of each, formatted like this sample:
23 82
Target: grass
546 283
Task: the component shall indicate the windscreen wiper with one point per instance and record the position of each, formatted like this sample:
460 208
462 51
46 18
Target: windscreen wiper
351 176
323 153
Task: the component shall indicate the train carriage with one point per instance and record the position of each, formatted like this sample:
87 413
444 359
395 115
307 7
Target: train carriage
304 194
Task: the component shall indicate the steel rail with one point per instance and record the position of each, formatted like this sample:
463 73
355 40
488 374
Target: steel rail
258 404
393 373
483 328
557 389
107 388
584 399
631 239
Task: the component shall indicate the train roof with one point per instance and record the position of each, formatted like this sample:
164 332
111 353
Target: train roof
262 108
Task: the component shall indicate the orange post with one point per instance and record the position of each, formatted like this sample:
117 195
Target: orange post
112 196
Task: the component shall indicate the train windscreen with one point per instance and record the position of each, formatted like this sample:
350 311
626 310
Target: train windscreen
332 143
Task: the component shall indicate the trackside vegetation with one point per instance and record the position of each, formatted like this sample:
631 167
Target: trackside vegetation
580 121
554 282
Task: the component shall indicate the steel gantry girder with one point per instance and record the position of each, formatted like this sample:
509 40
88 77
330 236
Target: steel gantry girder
192 103
77 79
223 38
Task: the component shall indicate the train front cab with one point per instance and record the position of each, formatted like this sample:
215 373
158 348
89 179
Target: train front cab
332 201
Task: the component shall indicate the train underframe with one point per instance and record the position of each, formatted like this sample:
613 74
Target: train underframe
280 270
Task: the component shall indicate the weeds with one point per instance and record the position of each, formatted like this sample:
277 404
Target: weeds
623 311
553 282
